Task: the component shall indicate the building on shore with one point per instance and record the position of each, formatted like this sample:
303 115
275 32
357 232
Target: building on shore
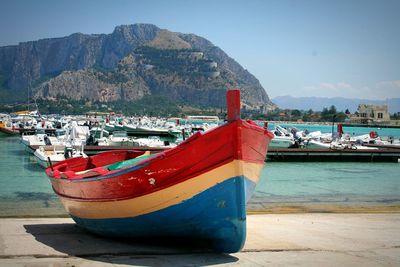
371 114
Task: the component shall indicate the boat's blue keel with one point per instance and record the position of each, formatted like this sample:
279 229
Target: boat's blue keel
217 214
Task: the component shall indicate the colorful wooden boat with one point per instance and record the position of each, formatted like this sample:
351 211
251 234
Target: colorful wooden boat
198 189
6 128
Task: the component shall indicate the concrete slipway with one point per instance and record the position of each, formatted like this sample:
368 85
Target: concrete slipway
273 240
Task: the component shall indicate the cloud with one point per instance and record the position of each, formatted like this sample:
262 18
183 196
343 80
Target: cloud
344 86
329 89
327 86
336 86
391 84
380 90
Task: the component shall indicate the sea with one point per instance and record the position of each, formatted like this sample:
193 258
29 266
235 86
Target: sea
25 191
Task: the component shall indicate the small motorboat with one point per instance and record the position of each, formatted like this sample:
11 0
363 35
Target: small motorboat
52 154
198 189
282 138
120 138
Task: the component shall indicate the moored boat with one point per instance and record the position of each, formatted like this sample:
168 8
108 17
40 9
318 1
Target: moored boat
52 154
197 189
282 138
120 138
7 127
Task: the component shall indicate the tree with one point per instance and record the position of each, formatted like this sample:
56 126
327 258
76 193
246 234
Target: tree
324 112
296 113
332 110
340 117
395 116
306 117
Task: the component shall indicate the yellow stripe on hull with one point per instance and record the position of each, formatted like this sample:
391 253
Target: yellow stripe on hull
163 198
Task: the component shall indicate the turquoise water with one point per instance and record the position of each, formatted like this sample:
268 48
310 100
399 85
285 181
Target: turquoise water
24 187
327 182
26 191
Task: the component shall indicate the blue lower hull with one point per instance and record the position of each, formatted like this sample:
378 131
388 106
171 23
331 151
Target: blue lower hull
217 214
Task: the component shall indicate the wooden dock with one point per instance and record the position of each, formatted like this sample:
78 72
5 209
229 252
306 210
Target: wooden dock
326 154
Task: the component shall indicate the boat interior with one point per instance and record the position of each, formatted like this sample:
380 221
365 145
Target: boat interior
102 164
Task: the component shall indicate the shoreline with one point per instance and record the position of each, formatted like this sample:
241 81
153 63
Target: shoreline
273 210
331 209
272 239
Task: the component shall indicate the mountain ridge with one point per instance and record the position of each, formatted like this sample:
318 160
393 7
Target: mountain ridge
48 64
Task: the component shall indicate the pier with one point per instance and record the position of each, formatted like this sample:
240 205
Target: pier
326 154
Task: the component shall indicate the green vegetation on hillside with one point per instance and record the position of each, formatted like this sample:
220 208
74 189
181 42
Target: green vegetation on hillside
151 105
111 76
3 80
181 61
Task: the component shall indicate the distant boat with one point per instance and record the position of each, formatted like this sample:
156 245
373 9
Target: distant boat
120 138
146 131
203 118
197 189
40 138
9 130
282 138
7 127
46 155
282 141
98 132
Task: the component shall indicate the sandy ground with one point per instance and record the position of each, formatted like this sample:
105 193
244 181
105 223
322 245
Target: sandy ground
311 239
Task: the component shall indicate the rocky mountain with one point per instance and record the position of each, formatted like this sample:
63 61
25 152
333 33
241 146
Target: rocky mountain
341 104
132 61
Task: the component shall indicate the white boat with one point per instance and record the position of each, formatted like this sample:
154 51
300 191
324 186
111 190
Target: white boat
154 141
40 138
214 119
120 138
98 132
316 143
56 153
336 145
282 142
77 134
34 139
282 138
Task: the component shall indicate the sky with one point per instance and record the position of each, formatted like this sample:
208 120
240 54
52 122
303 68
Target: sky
341 48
